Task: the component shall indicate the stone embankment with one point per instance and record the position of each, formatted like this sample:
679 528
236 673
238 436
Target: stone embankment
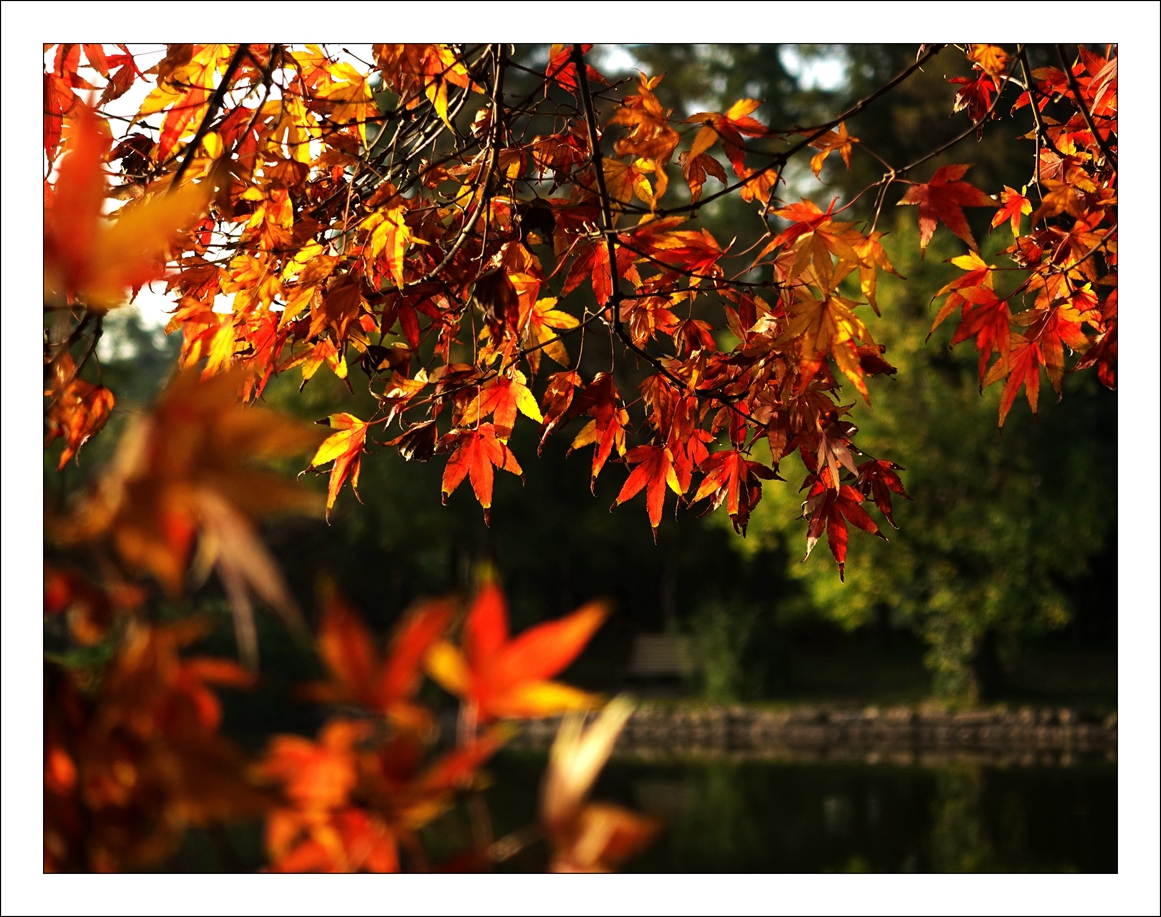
902 735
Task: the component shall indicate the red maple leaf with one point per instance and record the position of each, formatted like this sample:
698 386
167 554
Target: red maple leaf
829 511
877 479
654 471
733 479
474 454
989 322
499 677
942 200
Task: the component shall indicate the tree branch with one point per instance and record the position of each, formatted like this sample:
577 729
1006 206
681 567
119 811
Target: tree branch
211 109
1110 157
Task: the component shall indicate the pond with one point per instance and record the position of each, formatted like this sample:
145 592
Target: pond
779 817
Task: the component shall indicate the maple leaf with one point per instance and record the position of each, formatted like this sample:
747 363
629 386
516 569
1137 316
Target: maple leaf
695 252
539 336
153 718
183 90
182 471
1012 205
562 71
506 678
650 136
813 237
387 239
1053 329
95 262
624 180
979 275
345 449
654 471
1103 352
696 168
988 321
589 837
501 397
360 676
558 395
877 479
78 411
474 453
992 59
346 840
942 200
837 139
821 326
976 97
606 430
733 479
1022 368
829 510
729 127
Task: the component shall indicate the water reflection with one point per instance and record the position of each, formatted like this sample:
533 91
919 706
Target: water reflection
750 816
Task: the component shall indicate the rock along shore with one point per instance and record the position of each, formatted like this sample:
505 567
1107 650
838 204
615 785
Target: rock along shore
901 735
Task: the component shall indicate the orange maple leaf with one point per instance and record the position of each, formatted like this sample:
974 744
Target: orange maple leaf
654 471
345 449
359 675
829 142
993 60
729 127
606 431
474 454
78 411
506 678
502 397
733 479
1013 204
94 262
942 200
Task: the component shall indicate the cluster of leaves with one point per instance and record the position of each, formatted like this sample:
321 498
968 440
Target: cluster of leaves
1066 264
134 752
413 217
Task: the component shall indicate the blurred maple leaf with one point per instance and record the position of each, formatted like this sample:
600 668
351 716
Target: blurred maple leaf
352 802
86 258
589 837
130 766
500 677
183 471
358 675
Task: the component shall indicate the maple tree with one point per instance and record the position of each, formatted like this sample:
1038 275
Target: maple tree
486 257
